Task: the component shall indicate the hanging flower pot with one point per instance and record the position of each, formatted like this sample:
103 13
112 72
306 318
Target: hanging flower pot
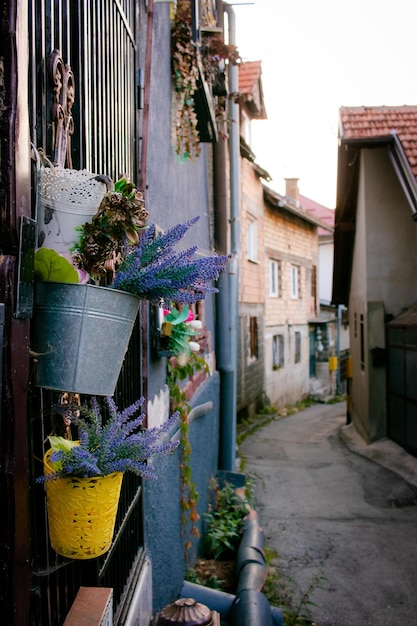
67 199
81 335
83 478
81 513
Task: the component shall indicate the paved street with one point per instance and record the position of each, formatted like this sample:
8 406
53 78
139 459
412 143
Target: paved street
329 510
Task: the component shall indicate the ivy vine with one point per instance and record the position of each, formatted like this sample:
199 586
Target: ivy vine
177 373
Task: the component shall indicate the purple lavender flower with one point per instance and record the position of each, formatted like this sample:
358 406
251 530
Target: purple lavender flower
155 271
117 444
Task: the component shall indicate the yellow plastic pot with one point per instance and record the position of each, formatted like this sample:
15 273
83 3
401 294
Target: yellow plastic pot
82 513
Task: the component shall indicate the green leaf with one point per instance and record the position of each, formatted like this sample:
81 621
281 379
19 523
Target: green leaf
120 184
59 443
53 267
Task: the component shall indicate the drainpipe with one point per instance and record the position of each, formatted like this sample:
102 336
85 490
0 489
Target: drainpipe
228 297
339 328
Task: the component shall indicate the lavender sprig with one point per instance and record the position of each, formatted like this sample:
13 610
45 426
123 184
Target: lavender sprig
118 445
154 270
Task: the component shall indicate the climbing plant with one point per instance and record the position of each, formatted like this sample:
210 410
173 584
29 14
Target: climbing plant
210 54
177 373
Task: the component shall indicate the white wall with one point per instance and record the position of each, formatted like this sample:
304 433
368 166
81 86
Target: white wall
325 271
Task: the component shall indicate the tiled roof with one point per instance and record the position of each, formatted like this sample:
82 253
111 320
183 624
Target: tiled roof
365 123
320 212
250 88
249 73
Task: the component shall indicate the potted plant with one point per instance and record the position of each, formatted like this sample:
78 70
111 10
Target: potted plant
83 325
83 478
177 332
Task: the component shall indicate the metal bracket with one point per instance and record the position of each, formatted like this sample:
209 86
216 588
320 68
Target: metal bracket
24 306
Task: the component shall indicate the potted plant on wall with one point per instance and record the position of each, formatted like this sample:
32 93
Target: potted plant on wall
83 478
178 331
83 327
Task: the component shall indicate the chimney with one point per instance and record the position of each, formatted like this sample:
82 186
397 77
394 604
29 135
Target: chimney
291 190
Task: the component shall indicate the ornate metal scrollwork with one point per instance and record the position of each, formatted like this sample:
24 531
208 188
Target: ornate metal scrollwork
63 87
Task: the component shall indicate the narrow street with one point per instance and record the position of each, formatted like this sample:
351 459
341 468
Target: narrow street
329 511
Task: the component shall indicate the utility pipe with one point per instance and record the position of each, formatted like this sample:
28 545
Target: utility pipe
228 433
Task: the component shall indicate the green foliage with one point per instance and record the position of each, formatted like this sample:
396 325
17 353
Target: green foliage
280 591
224 522
176 374
177 332
211 581
53 267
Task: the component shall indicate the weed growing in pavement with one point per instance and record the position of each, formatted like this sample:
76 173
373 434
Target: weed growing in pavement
280 591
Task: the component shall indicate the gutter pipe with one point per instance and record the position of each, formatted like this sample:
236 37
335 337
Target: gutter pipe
228 297
249 607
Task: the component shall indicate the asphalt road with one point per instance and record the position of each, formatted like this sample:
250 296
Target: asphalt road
331 512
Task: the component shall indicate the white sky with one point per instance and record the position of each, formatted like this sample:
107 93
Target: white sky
319 55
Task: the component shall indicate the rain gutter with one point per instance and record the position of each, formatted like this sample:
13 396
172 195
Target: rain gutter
230 309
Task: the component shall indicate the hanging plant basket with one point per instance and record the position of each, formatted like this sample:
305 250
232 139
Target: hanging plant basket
81 513
67 199
81 335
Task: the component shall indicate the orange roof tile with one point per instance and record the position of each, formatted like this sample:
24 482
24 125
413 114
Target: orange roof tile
249 73
250 87
383 121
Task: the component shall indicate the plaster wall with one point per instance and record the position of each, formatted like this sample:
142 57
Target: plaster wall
289 383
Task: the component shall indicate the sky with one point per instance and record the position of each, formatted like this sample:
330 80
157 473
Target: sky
319 55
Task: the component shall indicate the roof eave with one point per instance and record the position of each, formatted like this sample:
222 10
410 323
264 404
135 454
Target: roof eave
347 177
276 201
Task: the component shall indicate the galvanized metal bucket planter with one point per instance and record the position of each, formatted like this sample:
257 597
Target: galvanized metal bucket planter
82 513
81 335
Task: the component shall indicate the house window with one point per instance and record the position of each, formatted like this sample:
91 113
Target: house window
277 352
253 337
252 233
274 278
294 281
297 348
